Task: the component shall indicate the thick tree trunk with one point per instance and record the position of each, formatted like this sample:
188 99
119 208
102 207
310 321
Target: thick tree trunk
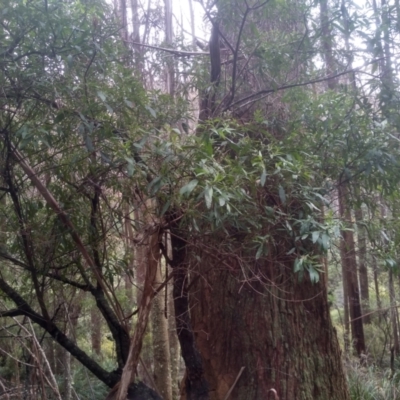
279 331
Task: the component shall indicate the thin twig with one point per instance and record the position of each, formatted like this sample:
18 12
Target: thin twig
234 383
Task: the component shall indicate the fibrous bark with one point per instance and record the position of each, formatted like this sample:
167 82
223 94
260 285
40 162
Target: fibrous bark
279 332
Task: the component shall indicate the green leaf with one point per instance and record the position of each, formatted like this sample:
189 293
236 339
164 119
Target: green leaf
263 177
314 274
101 95
89 144
298 265
291 251
259 251
130 168
128 103
165 208
70 60
208 195
325 241
315 236
155 185
188 188
151 111
282 194
60 116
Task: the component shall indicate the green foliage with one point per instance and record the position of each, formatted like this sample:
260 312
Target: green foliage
371 384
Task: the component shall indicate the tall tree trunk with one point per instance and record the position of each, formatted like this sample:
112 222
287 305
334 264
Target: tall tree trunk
152 238
136 35
124 20
346 314
161 352
376 284
140 269
169 35
362 265
393 319
327 45
350 263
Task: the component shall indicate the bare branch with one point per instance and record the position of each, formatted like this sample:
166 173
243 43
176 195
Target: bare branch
256 96
179 53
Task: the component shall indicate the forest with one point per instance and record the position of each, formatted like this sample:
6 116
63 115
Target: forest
199 199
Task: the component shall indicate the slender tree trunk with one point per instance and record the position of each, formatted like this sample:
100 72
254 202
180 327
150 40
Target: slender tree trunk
124 20
130 256
327 45
161 351
173 344
393 319
362 265
136 35
350 263
152 261
192 25
376 284
140 269
169 36
346 314
67 384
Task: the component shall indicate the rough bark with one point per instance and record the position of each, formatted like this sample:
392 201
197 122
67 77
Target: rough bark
280 333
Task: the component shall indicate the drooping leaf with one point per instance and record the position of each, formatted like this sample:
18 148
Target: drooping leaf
208 195
188 188
282 194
